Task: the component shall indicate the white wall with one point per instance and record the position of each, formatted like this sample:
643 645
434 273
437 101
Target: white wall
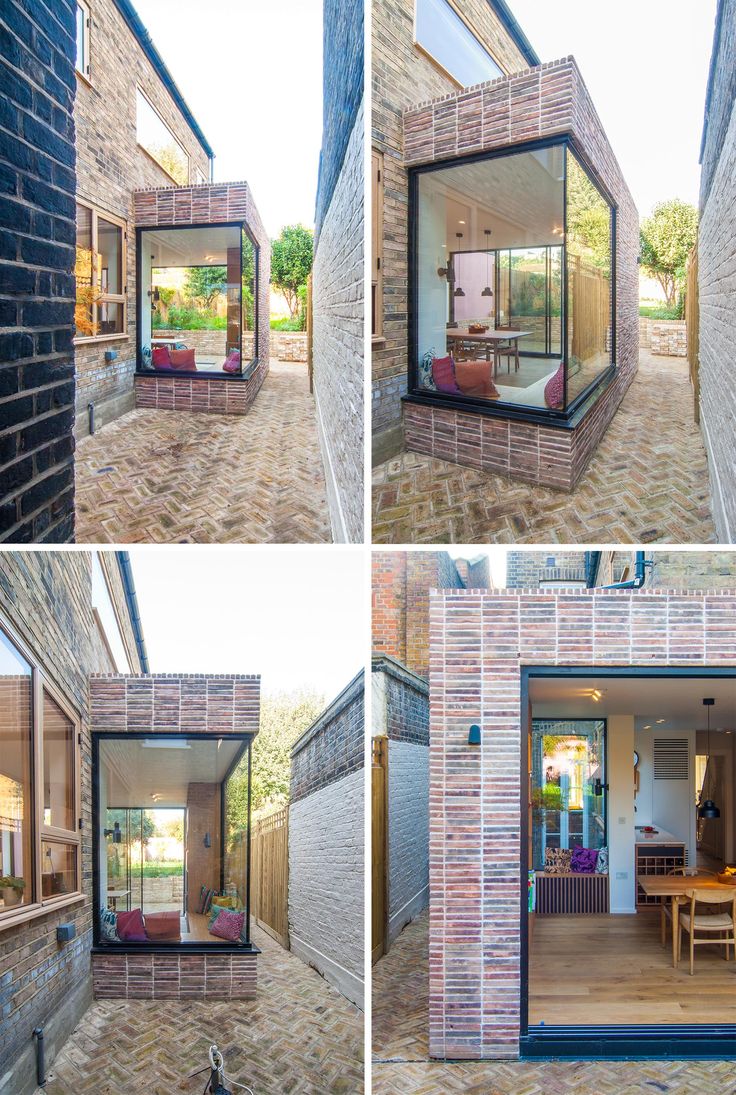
669 804
621 836
408 833
326 882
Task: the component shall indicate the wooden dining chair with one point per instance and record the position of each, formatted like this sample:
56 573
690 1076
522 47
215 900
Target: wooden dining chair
508 349
665 908
702 928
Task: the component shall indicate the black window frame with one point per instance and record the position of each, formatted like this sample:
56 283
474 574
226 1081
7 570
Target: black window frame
246 371
102 946
571 415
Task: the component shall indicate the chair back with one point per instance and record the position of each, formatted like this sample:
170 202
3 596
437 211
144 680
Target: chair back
708 896
690 872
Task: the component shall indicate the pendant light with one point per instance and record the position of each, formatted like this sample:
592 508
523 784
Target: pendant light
708 809
488 292
459 292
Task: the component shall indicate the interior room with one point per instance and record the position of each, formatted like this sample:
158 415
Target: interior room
513 279
198 294
631 812
172 849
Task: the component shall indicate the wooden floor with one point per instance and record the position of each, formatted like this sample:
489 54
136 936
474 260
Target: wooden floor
588 970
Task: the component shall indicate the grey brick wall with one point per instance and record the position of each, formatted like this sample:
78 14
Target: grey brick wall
47 597
337 351
333 746
717 276
37 235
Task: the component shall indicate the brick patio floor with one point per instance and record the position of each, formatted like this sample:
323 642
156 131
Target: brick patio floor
400 1048
646 483
169 477
299 1037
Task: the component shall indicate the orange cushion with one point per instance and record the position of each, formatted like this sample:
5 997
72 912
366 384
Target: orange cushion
164 927
474 378
183 359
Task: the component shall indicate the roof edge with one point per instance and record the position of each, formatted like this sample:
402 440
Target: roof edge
513 27
136 25
712 74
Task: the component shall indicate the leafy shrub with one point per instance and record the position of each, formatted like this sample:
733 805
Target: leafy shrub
190 319
287 323
660 311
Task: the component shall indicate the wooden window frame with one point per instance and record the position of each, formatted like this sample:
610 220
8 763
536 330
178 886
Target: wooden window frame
438 64
377 191
85 71
139 91
40 684
107 298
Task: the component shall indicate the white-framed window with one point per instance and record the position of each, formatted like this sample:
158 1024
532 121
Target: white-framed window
83 28
106 618
101 275
155 138
40 844
442 33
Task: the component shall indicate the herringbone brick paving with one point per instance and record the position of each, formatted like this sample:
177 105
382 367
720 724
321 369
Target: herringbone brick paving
299 1037
646 483
179 477
400 1047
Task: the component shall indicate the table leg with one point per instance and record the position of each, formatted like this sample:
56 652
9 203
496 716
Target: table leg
675 924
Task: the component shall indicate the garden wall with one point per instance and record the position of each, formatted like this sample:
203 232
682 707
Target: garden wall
289 345
663 336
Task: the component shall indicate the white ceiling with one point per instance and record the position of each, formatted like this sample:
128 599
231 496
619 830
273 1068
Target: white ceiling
136 772
677 700
190 246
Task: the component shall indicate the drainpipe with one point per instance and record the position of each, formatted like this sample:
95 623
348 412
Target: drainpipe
592 562
639 574
131 597
40 1057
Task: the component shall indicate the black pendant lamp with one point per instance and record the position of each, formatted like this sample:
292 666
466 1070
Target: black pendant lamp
708 809
488 292
459 292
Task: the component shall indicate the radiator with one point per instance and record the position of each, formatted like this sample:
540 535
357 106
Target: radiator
574 894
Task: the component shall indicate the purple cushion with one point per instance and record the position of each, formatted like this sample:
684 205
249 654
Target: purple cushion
584 860
554 389
443 372
228 925
131 928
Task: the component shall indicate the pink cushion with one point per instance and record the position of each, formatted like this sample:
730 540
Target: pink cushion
228 925
474 378
443 371
183 359
131 928
232 362
160 358
163 926
554 389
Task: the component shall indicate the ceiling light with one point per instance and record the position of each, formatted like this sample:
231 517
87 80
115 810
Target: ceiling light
165 743
648 726
708 809
461 222
661 720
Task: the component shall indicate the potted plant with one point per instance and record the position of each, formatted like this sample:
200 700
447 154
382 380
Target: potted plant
12 889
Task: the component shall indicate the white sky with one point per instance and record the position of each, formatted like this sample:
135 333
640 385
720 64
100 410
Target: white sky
645 63
496 556
251 73
296 616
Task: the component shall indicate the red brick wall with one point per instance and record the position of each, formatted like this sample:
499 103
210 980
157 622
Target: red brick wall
541 102
174 976
188 703
179 393
479 642
203 816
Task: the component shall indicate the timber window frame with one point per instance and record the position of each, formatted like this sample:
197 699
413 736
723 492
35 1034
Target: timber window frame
98 297
468 40
377 162
45 836
84 23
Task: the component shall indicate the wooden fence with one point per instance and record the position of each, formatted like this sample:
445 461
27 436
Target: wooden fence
692 317
379 832
590 314
269 876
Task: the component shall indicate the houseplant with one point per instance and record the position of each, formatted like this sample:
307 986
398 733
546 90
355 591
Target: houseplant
12 889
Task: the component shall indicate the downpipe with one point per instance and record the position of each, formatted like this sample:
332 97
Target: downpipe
40 1057
640 572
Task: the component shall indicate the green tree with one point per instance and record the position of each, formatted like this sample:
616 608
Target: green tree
205 283
284 716
149 825
292 255
667 238
588 218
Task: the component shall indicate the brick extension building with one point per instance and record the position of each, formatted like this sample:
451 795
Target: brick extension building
488 176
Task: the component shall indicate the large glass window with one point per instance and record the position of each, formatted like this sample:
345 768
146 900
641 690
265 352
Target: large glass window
166 818
199 299
491 249
446 37
100 310
16 788
159 142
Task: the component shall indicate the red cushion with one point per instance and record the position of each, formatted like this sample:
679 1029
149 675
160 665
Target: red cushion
443 371
228 925
160 358
183 359
474 378
165 926
554 389
131 928
232 362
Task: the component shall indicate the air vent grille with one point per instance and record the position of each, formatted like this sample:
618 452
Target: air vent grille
671 758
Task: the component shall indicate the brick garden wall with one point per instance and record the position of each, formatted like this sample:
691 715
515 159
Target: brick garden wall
663 336
111 166
37 234
480 641
403 75
544 101
717 276
693 570
326 861
289 346
48 598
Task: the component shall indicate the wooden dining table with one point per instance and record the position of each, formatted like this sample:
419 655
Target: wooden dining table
488 339
674 887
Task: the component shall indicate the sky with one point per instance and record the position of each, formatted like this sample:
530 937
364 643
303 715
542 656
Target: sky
296 616
496 557
645 63
251 73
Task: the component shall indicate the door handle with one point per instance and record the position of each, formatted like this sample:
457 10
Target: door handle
599 788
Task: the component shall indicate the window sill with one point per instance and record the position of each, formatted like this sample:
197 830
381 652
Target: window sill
32 912
188 374
99 338
378 341
85 79
174 948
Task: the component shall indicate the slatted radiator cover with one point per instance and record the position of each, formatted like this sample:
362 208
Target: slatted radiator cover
571 894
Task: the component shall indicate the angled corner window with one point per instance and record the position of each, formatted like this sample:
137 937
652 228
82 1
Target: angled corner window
83 27
100 272
512 281
155 137
198 299
445 36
